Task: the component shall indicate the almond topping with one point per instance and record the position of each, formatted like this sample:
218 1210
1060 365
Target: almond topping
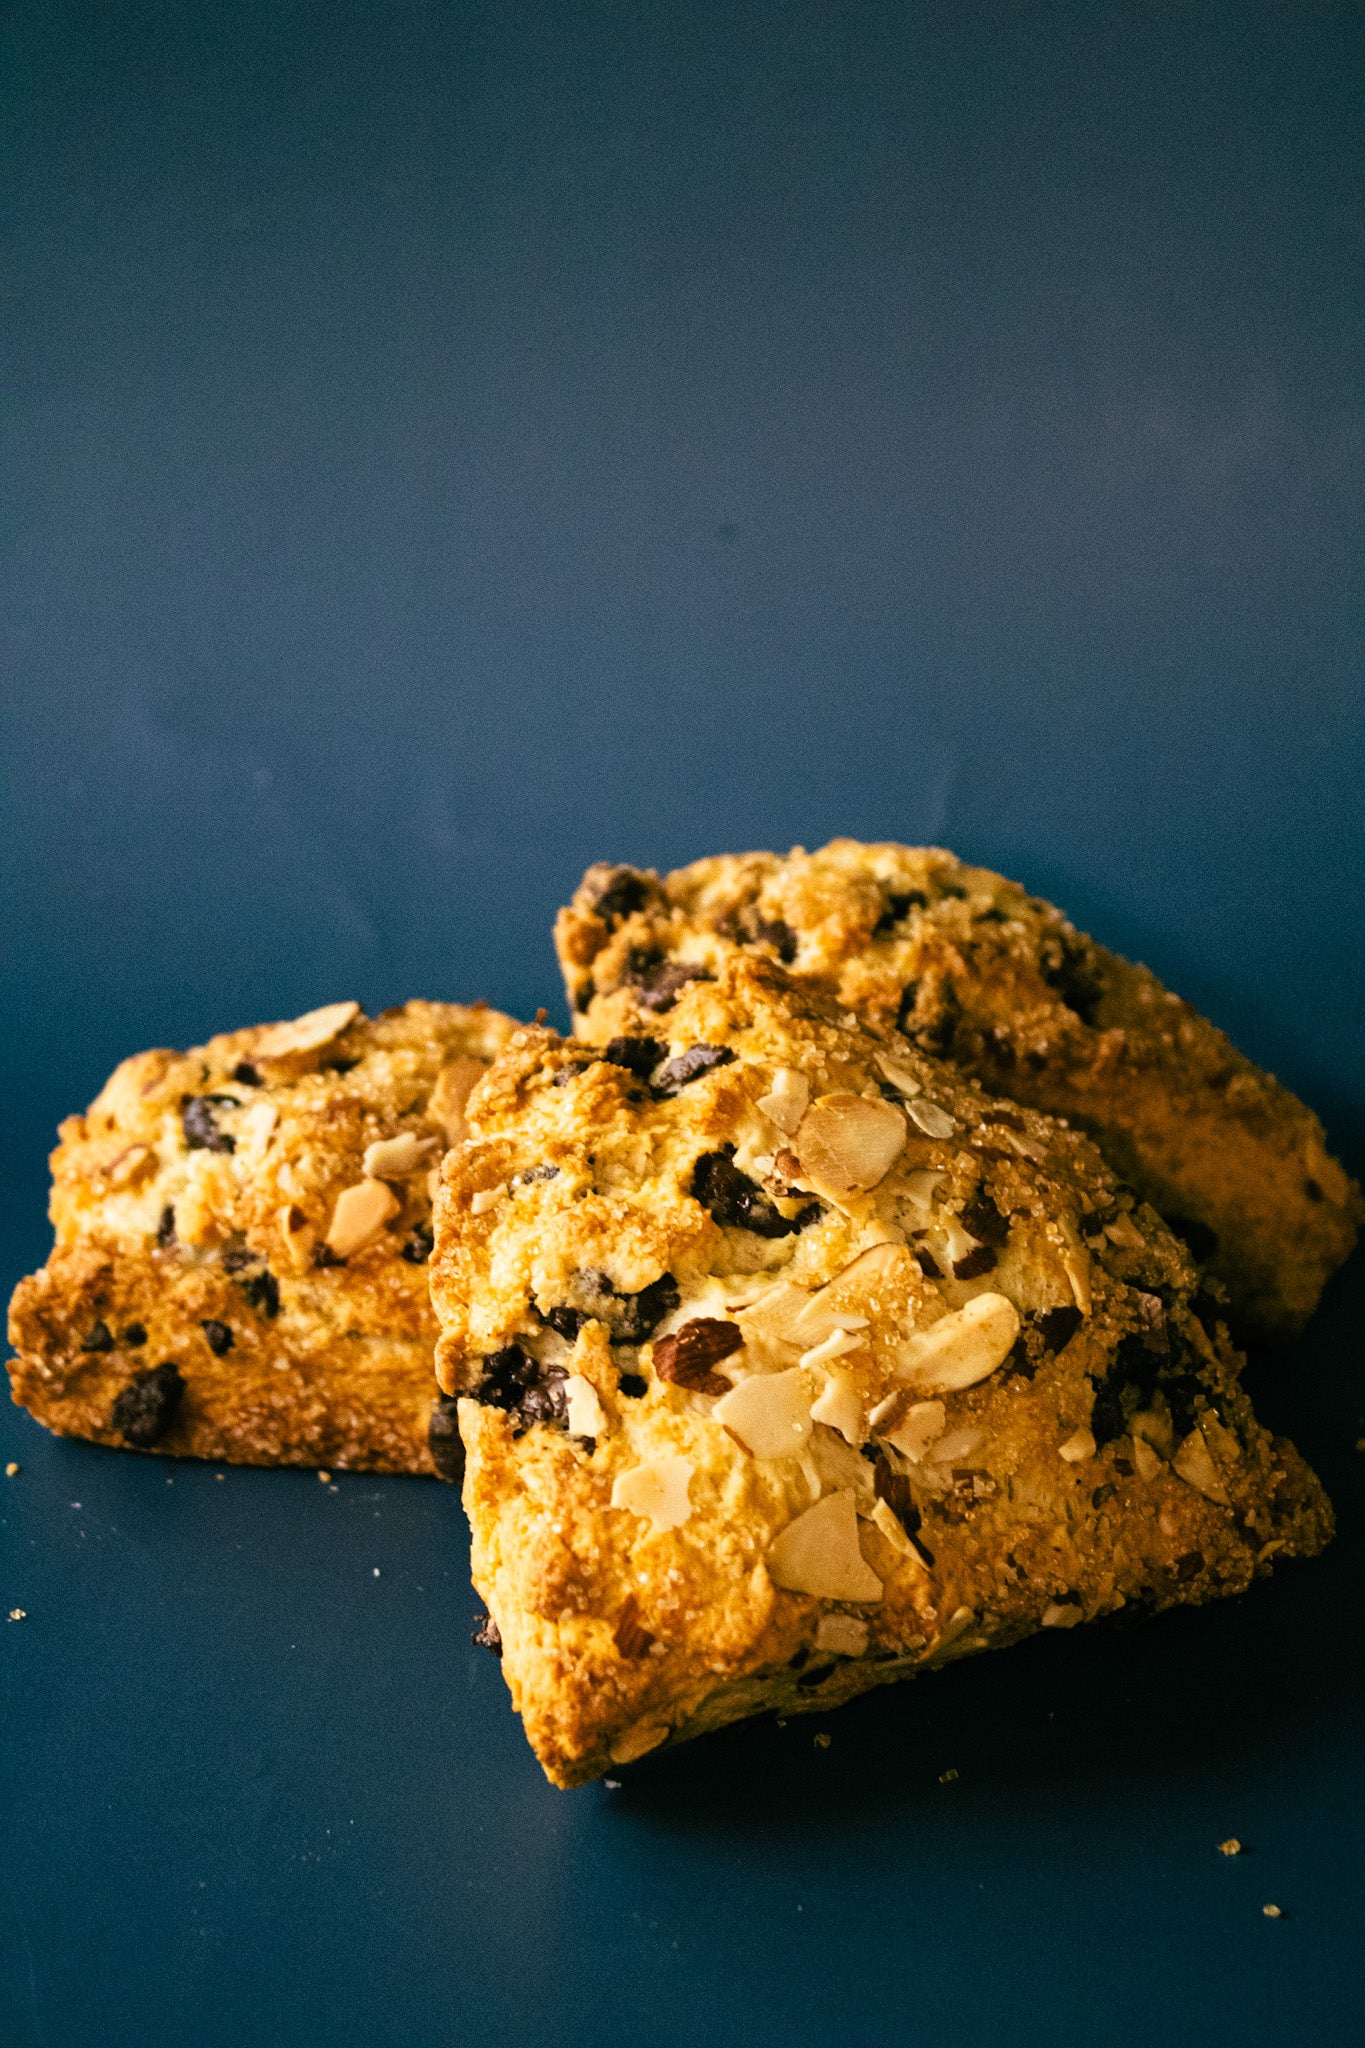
788 1101
900 1077
885 1520
308 1033
839 1407
961 1348
1125 1233
454 1085
911 1426
584 1412
818 1554
395 1158
1078 1446
1061 1614
657 1492
834 1346
1146 1463
298 1236
844 1635
840 1303
484 1199
769 1413
929 1118
1196 1467
360 1211
1076 1265
846 1143
771 1320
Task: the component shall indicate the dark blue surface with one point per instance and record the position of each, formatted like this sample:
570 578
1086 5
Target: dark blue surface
447 444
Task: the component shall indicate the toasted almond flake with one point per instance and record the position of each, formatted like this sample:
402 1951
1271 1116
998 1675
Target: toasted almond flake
657 1492
1076 1265
257 1126
769 1324
1221 1442
395 1158
484 1199
1061 1614
887 1522
957 1445
133 1164
830 1464
788 1100
839 1407
298 1235
847 1144
1156 1429
910 1425
838 1305
928 1117
769 1413
920 1187
818 1553
360 1211
1196 1467
843 1635
1027 1148
453 1087
1146 1463
1079 1446
961 1348
834 1346
638 1741
902 1077
584 1413
1125 1233
308 1033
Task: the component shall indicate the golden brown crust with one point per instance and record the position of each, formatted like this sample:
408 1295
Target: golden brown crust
192 1205
878 1230
1000 982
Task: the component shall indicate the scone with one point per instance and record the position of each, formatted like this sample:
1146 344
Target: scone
242 1234
977 971
791 1363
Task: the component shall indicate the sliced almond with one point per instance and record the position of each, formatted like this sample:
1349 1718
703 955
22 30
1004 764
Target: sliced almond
360 1211
769 1413
818 1553
769 1324
1196 1467
1076 1265
1156 1429
847 1144
788 1100
885 1520
308 1033
484 1199
901 1077
928 1117
657 1492
1125 1233
839 1407
584 1412
1061 1614
133 1164
257 1126
842 1635
1079 1446
959 1444
834 1346
919 1188
961 1348
839 1304
452 1090
298 1236
910 1425
396 1158
1146 1463
836 1465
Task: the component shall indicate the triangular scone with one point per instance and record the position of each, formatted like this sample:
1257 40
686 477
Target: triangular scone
793 1364
242 1234
977 971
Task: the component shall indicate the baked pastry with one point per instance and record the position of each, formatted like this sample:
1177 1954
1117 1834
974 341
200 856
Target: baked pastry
788 1363
977 971
241 1242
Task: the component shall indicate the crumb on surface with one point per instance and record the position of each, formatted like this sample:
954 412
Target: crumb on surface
1232 1847
12 1470
18 1614
1272 1912
326 1478
822 1741
948 1777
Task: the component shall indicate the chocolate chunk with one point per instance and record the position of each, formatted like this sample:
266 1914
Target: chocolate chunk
533 1174
1202 1241
134 1335
524 1389
1072 971
640 1314
262 1290
146 1408
898 906
639 1056
660 987
1057 1326
690 1066
564 1321
1103 1493
1190 1565
235 1258
583 995
894 1488
630 1635
927 1263
219 1337
687 1357
101 1338
777 933
562 1076
246 1074
322 1255
981 1259
201 1130
625 892
418 1247
799 1659
929 1014
486 1635
444 1441
633 1385
165 1229
733 1198
984 1220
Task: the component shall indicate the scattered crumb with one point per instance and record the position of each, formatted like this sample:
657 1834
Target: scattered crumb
1232 1847
326 1478
1272 1912
781 1721
1360 1443
947 1777
12 1470
612 1784
220 1475
822 1741
376 1571
18 1614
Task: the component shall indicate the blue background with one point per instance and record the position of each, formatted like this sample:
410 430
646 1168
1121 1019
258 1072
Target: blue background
448 444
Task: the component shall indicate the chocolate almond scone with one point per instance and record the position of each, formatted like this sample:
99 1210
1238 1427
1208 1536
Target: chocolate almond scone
975 970
789 1363
242 1235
